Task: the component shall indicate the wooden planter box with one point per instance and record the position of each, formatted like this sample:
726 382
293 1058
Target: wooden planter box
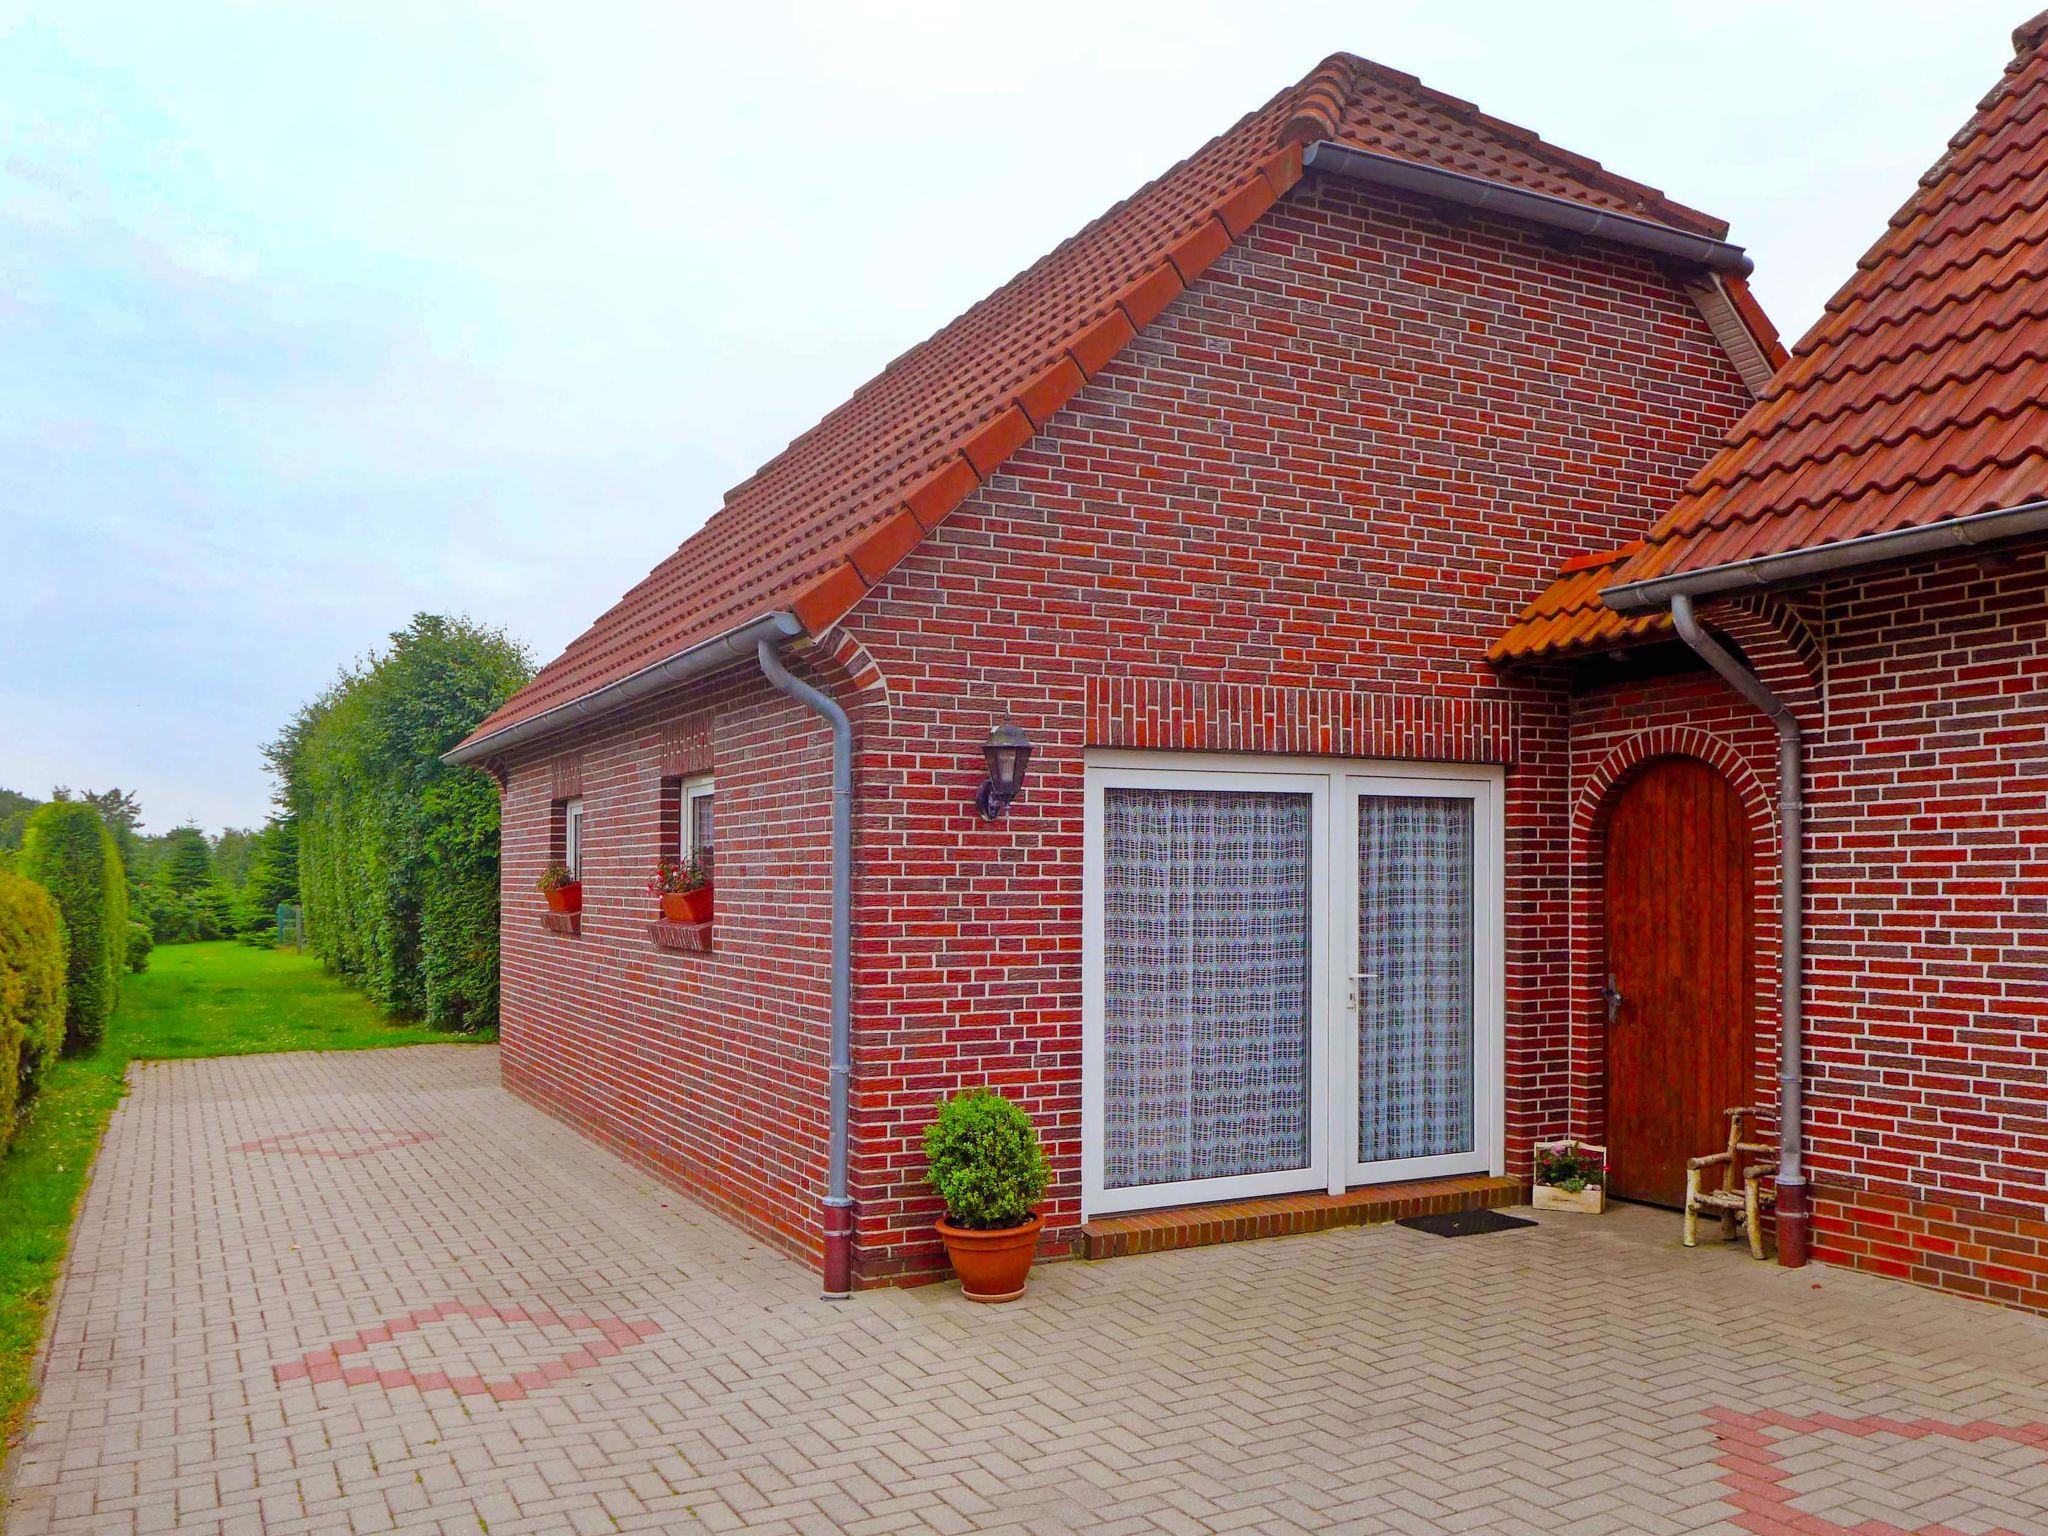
1590 1201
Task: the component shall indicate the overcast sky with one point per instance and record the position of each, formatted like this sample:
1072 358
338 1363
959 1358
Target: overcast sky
312 316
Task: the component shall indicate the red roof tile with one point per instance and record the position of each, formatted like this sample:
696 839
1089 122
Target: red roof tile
1920 395
1922 392
1569 617
814 528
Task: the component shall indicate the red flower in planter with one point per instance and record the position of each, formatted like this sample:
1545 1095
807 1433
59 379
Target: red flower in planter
683 887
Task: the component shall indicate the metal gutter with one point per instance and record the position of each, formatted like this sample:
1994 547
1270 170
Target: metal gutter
719 651
1802 565
1521 203
1794 1208
838 1214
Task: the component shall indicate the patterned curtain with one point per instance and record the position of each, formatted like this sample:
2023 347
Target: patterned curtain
1415 977
1207 947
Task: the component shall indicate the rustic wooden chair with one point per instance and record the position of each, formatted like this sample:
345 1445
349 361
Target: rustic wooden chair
1734 1206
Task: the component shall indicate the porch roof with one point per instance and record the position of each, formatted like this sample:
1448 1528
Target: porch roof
1569 617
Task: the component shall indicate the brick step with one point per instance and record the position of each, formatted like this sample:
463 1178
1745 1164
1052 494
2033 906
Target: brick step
1237 1221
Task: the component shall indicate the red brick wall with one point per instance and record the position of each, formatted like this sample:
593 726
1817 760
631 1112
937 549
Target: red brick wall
1290 518
1927 903
1928 933
708 1069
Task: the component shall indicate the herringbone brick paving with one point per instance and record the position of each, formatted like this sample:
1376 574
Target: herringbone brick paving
503 1329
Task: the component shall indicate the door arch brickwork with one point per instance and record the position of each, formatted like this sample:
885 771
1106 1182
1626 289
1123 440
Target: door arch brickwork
1592 802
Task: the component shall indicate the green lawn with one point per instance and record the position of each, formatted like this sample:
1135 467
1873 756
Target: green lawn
194 1000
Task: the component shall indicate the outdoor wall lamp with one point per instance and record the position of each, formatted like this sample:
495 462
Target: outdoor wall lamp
1007 749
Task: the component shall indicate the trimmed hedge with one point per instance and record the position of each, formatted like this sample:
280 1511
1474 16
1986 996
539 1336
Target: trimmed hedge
69 852
32 952
140 943
398 852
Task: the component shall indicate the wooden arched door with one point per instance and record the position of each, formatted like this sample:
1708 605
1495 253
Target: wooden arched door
1681 970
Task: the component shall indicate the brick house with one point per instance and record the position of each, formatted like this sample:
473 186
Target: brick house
1221 504
1860 570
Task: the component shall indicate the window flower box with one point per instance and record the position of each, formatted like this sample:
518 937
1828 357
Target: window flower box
683 887
562 887
687 906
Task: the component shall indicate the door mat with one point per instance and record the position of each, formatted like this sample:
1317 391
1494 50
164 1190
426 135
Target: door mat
1465 1223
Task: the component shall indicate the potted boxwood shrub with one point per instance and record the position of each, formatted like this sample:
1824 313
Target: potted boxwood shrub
1570 1176
683 887
559 884
985 1163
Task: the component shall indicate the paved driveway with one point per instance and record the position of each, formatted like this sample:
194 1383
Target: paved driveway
371 1292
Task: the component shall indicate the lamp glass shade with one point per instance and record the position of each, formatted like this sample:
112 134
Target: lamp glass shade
1008 750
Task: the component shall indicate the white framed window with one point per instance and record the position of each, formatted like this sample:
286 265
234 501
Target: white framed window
572 835
694 833
1292 975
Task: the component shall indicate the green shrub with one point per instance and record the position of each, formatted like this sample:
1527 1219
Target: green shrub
69 852
31 993
139 946
984 1160
397 853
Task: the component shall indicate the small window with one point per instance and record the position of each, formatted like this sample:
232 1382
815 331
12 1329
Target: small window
695 831
572 835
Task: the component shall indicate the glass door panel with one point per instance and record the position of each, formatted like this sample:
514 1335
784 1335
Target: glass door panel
1415 970
1423 938
1210 989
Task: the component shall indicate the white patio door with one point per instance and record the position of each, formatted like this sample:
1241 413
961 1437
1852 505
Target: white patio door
1290 977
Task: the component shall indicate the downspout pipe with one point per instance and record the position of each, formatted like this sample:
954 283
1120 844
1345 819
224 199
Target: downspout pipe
1794 1207
838 1205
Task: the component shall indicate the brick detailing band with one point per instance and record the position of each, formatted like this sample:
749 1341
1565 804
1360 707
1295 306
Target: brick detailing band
686 749
1319 722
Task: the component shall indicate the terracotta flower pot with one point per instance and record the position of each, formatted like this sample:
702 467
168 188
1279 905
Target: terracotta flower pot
991 1265
687 906
565 898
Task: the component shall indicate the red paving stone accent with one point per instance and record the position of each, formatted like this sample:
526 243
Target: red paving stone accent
317 1143
1235 1221
327 1363
1761 1483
